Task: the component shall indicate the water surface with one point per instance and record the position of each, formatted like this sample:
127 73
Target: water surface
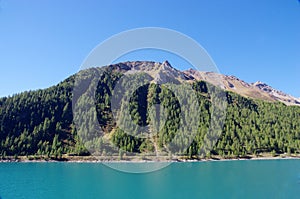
224 179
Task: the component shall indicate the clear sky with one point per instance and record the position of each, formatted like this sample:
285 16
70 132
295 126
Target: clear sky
43 42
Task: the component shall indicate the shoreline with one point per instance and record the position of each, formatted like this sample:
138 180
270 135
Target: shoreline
130 159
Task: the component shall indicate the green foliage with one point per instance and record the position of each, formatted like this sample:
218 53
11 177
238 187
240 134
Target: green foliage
41 123
37 122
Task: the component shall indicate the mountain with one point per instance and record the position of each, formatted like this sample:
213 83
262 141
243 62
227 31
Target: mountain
257 90
164 72
160 72
255 121
277 95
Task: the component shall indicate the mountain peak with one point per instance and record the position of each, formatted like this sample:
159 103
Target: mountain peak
260 84
165 73
166 63
276 94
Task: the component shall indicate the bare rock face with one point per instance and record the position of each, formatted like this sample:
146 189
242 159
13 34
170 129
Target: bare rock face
277 95
160 72
168 74
257 90
165 73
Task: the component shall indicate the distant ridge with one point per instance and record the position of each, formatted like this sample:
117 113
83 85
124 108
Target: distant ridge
257 90
164 72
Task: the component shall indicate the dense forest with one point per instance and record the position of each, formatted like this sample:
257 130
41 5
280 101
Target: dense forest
41 123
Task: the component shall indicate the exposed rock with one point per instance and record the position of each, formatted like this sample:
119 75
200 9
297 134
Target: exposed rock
165 73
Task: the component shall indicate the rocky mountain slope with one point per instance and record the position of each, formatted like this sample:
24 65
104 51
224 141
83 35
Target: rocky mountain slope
164 72
257 90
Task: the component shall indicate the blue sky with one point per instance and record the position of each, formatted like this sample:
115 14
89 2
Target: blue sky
43 42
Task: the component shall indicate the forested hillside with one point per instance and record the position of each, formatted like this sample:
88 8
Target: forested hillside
41 123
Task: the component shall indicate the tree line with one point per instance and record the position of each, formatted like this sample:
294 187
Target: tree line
41 123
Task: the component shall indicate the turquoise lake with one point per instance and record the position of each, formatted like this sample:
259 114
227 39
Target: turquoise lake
223 179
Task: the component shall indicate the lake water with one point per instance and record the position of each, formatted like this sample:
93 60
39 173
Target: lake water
226 179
